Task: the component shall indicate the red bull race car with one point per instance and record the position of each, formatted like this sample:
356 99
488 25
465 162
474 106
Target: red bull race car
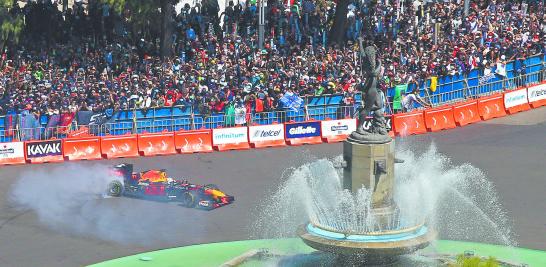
156 185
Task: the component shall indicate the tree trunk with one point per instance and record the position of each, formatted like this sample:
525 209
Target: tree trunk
167 9
337 32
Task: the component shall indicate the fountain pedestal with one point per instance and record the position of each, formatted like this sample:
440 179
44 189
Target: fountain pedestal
372 166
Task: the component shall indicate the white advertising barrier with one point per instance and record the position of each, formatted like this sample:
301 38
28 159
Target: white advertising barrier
12 153
12 150
515 98
337 128
226 137
537 93
261 133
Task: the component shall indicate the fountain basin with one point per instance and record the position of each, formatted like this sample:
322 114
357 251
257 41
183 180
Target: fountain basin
383 247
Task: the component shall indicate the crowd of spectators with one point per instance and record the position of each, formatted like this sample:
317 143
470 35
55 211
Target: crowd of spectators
87 58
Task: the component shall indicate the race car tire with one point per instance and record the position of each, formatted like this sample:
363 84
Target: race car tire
212 186
189 199
115 189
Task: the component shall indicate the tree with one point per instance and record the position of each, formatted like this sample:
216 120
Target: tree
11 24
167 27
149 19
337 32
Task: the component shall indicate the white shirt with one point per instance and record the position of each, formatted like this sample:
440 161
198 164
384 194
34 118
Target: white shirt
240 115
486 71
408 101
501 69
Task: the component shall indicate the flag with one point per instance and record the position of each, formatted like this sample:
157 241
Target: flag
64 122
9 124
397 99
292 101
29 126
484 79
84 117
97 121
433 83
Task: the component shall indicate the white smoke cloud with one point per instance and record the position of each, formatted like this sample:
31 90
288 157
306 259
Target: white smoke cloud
69 198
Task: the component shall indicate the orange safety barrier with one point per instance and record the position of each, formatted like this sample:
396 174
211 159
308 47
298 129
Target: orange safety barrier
153 144
233 138
491 107
516 101
409 123
440 118
337 130
261 136
193 141
85 148
303 133
12 153
119 146
536 95
466 113
44 151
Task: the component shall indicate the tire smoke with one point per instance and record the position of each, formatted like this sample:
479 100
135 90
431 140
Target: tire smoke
69 199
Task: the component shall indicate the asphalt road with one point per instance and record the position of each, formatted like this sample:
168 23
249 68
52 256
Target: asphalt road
69 231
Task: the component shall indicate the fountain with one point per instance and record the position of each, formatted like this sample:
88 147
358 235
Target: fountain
375 234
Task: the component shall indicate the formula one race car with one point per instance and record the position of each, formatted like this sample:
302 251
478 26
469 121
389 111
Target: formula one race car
155 185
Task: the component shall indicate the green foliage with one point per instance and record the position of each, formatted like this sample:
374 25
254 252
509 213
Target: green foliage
474 261
11 25
117 5
142 8
142 15
5 3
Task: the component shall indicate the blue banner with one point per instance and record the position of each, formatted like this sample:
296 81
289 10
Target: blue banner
292 101
302 129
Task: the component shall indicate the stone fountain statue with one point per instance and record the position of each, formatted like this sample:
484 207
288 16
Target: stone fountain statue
377 133
369 160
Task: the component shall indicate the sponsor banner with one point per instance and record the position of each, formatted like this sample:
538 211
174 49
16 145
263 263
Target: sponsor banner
338 127
302 129
44 149
515 98
262 133
233 135
388 119
537 93
12 150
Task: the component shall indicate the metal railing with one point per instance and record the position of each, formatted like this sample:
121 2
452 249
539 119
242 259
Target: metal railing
532 64
180 124
36 133
485 89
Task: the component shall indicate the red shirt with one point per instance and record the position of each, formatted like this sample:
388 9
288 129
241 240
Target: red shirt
259 105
